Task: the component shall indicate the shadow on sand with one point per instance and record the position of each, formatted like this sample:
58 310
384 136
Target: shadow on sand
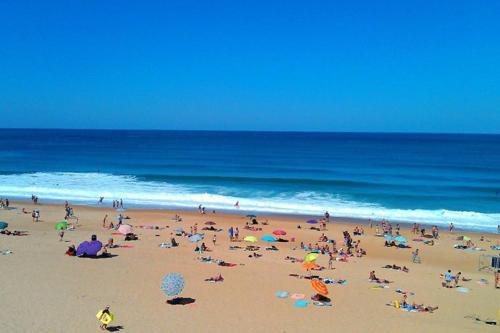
181 301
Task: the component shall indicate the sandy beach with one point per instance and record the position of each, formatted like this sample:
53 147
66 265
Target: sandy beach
45 290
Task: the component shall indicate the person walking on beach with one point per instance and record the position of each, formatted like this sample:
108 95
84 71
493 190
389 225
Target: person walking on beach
330 261
214 240
497 279
230 231
104 221
105 317
236 233
451 227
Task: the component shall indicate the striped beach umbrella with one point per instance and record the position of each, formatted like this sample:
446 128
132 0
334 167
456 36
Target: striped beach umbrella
319 287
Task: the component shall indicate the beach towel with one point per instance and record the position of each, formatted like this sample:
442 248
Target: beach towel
297 296
463 290
482 282
317 303
301 304
380 287
281 294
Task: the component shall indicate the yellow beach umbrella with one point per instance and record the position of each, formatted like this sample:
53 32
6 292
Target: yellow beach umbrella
251 239
310 257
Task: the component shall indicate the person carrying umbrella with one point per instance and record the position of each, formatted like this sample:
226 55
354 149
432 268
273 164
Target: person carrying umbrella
105 317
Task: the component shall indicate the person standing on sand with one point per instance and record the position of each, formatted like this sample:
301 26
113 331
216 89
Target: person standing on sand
236 233
230 231
104 221
451 227
497 279
214 240
415 256
330 261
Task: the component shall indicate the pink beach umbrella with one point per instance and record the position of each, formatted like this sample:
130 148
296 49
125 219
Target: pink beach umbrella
279 232
125 229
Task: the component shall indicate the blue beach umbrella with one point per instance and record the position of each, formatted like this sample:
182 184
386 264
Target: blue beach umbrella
172 284
3 225
196 238
388 238
268 238
400 239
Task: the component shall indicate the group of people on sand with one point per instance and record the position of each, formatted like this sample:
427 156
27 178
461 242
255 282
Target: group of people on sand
117 203
68 211
233 234
13 233
34 199
451 281
4 203
405 305
416 229
202 210
374 278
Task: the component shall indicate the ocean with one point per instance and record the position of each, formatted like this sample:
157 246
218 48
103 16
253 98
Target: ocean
425 178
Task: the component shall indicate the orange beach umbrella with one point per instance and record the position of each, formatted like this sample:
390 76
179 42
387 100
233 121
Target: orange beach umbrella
319 287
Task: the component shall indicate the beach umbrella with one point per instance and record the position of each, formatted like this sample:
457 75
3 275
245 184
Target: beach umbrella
311 257
309 265
319 287
268 238
279 232
388 238
125 229
196 238
210 223
400 239
312 221
251 239
3 225
89 248
61 225
172 284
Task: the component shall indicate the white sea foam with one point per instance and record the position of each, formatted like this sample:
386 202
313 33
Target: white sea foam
86 188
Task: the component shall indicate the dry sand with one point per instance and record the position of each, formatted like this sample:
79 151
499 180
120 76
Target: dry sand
43 290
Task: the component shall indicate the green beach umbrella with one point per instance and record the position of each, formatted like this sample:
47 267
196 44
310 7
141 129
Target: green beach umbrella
61 225
3 225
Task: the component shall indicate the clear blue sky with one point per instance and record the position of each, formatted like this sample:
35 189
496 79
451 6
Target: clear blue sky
252 65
